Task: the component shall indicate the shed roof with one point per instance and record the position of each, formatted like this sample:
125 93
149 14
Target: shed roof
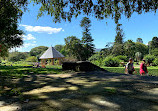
50 53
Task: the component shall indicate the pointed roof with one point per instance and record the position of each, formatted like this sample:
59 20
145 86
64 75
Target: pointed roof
50 53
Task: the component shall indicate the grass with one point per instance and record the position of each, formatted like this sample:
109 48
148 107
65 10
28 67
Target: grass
152 70
19 71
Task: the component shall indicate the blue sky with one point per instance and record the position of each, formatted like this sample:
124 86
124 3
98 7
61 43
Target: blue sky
44 32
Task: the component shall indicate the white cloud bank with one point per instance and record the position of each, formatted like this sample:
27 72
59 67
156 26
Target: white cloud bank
28 37
28 45
41 29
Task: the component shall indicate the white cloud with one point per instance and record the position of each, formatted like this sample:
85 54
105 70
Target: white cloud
28 37
34 41
29 45
25 47
41 29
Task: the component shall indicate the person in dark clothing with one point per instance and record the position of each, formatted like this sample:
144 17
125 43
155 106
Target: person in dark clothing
129 67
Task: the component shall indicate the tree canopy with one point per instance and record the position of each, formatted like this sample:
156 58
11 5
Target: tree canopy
101 9
38 51
74 47
10 13
140 40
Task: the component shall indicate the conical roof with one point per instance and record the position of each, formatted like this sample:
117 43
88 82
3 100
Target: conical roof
51 53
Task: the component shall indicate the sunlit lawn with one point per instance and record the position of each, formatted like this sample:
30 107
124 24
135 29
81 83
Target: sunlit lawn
152 70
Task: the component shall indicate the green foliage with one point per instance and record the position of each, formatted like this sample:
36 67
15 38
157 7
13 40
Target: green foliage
129 47
138 56
155 61
154 52
3 50
111 61
149 58
154 43
100 9
17 56
87 40
74 47
118 49
140 40
10 13
119 35
61 49
142 48
97 59
31 59
38 51
58 47
121 57
106 51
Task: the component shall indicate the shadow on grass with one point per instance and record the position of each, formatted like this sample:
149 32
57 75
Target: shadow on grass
85 91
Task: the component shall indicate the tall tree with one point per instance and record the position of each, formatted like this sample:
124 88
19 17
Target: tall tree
118 48
87 38
129 47
10 13
140 40
119 34
142 48
101 9
61 49
74 47
38 51
154 43
58 47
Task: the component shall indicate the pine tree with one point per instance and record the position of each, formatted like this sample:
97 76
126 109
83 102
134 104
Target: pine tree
118 44
87 38
119 35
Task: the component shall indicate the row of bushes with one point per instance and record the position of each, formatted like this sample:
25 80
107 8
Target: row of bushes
114 61
152 71
109 61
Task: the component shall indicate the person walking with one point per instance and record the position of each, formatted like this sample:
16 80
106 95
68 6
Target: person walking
143 68
129 67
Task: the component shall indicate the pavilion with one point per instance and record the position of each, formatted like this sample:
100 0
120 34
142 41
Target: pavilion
51 53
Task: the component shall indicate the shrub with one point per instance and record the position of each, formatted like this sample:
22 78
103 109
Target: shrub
31 59
121 57
154 52
149 58
17 56
155 61
111 61
96 59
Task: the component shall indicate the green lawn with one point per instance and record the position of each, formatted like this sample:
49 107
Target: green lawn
19 71
152 70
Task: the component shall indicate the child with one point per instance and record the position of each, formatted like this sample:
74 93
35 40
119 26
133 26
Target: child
143 68
129 67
